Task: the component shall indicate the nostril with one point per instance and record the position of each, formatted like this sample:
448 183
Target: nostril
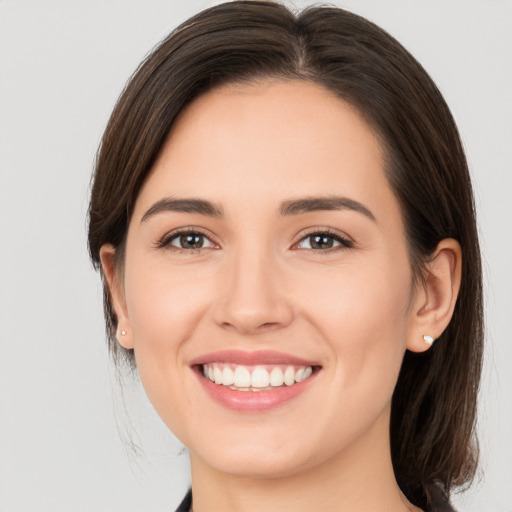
247 326
269 325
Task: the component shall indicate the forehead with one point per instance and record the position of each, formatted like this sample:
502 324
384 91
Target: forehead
257 143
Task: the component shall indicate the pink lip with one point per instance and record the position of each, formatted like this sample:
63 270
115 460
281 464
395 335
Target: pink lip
252 401
251 358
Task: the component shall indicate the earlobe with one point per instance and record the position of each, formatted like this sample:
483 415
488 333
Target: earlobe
117 298
435 301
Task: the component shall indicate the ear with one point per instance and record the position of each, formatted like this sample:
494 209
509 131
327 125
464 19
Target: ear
124 333
435 300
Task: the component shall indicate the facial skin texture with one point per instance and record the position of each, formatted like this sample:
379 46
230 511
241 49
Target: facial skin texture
257 285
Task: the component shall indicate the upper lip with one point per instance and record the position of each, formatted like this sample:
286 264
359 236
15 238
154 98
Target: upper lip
251 358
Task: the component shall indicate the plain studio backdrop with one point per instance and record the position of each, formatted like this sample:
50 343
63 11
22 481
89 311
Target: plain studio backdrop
66 426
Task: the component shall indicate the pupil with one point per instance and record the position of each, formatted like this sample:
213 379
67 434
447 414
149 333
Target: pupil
321 241
192 241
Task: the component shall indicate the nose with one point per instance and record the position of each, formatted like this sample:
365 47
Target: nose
253 297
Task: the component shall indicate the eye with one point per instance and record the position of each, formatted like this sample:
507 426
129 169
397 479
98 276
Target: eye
187 240
323 241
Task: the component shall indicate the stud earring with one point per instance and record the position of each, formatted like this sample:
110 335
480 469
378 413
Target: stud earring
428 339
123 333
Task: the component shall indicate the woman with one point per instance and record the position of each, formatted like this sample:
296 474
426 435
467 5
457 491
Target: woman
283 219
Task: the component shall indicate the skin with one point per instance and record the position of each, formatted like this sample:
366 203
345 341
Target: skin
257 284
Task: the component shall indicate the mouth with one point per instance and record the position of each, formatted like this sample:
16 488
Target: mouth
255 378
254 381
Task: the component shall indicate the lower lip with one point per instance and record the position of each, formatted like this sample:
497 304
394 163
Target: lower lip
253 401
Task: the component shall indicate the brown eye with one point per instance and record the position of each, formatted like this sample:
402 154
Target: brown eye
323 241
189 240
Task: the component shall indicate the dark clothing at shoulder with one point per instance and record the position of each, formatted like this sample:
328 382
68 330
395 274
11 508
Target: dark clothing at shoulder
186 503
440 504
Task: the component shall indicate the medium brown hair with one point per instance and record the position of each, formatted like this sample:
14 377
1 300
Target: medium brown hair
434 403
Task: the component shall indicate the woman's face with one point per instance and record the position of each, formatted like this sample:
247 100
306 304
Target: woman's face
266 245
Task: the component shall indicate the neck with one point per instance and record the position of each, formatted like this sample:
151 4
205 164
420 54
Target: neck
357 479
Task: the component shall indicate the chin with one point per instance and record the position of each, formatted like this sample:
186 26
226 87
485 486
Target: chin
259 456
262 466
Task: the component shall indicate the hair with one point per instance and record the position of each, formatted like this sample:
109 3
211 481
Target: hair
433 415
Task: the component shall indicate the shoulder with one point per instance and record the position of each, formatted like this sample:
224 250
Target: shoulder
440 504
185 505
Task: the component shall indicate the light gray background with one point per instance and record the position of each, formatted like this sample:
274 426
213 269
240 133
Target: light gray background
63 64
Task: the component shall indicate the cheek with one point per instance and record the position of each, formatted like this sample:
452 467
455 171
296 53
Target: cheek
363 312
355 299
362 317
164 306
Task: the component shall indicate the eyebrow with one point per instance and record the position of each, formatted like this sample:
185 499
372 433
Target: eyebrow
287 208
312 204
200 206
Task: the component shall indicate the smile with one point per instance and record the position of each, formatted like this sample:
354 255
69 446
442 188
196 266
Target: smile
255 378
254 381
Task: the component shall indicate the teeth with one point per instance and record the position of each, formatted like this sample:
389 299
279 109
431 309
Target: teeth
289 376
276 377
217 375
260 378
228 377
242 377
257 378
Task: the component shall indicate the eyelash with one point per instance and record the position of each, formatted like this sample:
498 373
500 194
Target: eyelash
345 243
165 241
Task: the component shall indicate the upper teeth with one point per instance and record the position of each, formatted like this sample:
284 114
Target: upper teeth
259 377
